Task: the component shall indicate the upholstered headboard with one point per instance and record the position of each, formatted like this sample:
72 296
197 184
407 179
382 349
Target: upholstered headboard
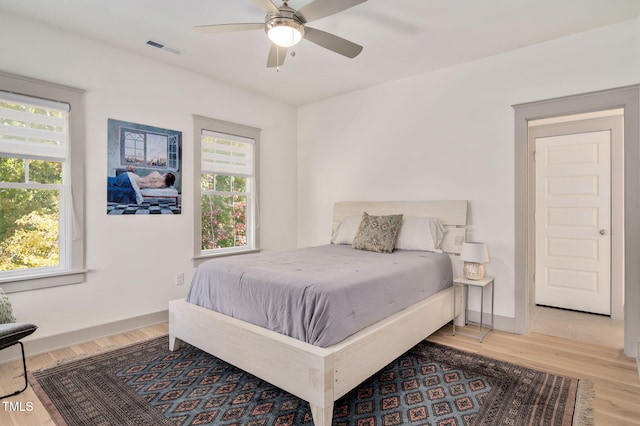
451 213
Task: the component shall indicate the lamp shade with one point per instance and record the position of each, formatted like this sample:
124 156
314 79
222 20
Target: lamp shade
474 252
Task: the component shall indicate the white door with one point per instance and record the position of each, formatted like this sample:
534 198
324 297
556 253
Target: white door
573 221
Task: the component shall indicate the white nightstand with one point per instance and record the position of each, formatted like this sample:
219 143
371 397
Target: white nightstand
486 281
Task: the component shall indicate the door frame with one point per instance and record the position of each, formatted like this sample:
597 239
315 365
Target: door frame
627 98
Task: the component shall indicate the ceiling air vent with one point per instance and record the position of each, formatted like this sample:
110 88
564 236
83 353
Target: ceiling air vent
164 47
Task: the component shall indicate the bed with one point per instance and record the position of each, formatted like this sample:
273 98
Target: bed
322 374
155 193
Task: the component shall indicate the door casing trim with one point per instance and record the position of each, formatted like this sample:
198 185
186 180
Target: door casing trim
627 98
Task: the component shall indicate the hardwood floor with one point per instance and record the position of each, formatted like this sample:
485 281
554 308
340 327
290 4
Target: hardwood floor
597 329
614 375
26 409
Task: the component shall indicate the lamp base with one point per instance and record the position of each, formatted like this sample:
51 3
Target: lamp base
473 271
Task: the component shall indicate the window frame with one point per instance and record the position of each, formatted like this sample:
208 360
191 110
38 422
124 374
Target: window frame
219 126
172 154
74 213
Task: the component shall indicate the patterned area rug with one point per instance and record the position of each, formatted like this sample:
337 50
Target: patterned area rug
146 384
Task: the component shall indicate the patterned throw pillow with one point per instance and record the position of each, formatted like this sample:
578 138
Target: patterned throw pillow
377 233
6 313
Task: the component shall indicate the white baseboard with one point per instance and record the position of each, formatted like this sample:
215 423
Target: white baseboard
500 323
36 346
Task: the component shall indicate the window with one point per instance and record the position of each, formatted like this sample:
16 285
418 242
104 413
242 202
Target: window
226 197
147 149
41 238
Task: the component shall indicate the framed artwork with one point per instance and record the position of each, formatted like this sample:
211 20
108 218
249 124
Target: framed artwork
144 169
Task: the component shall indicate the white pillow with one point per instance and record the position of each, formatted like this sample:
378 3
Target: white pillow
421 233
346 230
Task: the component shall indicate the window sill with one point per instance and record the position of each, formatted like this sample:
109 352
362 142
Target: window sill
197 260
36 282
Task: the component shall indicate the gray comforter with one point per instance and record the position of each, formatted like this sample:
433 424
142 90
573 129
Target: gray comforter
322 294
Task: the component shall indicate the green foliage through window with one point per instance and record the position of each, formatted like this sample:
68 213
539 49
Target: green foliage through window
28 228
224 211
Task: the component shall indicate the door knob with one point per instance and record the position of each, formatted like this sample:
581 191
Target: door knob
603 232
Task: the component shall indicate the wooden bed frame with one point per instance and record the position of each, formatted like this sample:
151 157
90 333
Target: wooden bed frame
323 375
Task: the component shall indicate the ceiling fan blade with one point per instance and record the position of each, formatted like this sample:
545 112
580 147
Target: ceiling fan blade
332 42
267 6
320 8
223 28
277 55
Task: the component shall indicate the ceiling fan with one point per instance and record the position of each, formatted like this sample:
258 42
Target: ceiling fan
286 26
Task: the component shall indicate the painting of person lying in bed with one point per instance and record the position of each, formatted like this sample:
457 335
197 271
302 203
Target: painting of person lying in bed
125 188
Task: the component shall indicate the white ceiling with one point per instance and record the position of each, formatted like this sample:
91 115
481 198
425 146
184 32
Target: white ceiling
400 38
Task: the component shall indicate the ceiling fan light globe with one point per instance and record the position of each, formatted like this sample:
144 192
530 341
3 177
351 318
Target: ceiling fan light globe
285 34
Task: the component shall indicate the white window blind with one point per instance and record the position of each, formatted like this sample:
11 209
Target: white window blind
33 127
226 154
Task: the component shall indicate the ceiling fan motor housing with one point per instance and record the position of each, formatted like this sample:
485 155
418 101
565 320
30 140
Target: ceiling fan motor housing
286 18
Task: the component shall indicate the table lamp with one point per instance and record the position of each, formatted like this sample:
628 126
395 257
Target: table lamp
474 255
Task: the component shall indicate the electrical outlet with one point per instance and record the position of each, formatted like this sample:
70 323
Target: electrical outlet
180 278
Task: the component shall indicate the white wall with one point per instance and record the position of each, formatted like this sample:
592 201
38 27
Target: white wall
449 135
133 260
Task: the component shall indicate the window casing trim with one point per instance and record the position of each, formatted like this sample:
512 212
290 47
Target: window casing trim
51 92
223 127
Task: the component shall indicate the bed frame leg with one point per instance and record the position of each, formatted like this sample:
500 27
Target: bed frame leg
322 416
174 343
